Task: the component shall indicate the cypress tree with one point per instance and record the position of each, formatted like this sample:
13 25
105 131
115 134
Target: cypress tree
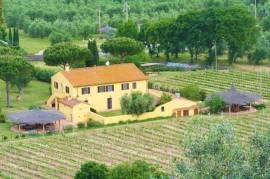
1 13
14 37
18 37
10 37
92 46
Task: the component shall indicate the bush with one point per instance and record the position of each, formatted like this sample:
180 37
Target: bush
34 107
165 98
68 128
216 104
92 170
259 106
43 75
2 118
58 37
193 92
5 138
136 170
93 110
137 103
39 28
81 125
92 124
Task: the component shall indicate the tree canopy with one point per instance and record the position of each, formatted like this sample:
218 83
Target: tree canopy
122 47
63 54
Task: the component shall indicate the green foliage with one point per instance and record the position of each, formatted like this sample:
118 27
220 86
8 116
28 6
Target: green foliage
122 47
137 170
256 56
43 74
137 103
92 170
93 124
259 106
92 46
69 128
193 92
39 28
216 104
2 118
59 36
214 155
24 78
11 69
165 98
128 29
66 54
81 125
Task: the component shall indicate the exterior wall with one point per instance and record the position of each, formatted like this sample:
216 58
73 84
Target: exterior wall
169 110
76 114
96 100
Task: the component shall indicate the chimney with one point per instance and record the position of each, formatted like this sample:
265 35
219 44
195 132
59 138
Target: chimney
67 67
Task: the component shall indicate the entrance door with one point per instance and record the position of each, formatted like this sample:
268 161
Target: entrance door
109 103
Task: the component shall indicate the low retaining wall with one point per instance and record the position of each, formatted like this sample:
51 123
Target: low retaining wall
165 110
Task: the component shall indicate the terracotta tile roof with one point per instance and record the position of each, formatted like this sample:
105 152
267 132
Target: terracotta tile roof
104 75
70 102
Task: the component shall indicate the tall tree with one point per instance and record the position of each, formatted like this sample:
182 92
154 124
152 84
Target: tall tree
128 29
92 170
122 47
10 68
92 46
10 37
64 54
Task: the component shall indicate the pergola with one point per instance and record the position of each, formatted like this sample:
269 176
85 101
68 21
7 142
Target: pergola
235 99
36 117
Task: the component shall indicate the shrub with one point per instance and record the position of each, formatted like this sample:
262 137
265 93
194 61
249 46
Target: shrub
17 137
91 123
216 104
259 106
193 92
93 110
81 125
43 75
58 37
137 103
2 118
69 128
165 98
5 137
136 170
92 170
34 107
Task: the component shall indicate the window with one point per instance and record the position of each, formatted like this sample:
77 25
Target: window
101 89
109 88
125 86
86 90
134 85
55 85
67 89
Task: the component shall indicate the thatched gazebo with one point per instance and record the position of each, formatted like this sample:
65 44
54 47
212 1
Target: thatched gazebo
237 101
36 118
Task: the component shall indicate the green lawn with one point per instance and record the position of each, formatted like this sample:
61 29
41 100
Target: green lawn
33 45
35 94
110 113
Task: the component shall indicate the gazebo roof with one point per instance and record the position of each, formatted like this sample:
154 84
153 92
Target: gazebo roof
36 116
233 96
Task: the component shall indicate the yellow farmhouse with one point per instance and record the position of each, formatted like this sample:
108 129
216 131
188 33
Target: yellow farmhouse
79 93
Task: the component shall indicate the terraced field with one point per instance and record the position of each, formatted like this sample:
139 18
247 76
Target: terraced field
213 81
159 142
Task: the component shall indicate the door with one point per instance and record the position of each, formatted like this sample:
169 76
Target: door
196 111
109 103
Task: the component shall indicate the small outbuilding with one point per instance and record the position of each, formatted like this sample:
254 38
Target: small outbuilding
236 100
37 120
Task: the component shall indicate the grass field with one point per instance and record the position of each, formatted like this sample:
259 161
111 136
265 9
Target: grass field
213 81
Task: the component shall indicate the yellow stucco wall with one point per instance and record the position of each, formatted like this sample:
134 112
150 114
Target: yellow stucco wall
169 110
96 100
75 114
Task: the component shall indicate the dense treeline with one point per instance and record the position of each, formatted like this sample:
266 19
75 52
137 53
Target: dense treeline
80 17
